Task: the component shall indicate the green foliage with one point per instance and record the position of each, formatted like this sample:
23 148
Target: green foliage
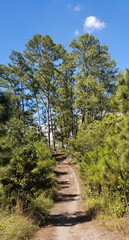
117 204
122 94
104 158
45 84
40 207
43 57
92 135
102 168
95 76
29 172
5 107
65 116
16 227
26 164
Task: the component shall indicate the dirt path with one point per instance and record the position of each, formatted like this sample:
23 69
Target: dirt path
67 220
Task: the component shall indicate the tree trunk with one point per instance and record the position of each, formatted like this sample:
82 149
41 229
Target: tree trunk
83 116
53 132
126 200
23 112
48 122
19 205
39 125
23 106
62 138
72 116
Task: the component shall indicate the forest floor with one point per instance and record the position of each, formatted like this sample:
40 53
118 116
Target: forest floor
67 219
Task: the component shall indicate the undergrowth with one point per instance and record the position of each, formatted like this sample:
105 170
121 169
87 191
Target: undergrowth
113 223
14 227
39 208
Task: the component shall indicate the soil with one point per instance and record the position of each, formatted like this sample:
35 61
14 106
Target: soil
67 219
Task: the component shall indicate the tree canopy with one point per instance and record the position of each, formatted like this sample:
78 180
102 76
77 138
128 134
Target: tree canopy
50 98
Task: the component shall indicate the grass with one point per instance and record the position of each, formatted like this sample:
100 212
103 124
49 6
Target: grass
113 223
14 227
39 208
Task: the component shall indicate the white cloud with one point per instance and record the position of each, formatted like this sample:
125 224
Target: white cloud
92 23
76 32
77 8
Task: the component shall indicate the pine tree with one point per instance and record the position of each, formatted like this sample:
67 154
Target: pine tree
95 75
43 57
64 105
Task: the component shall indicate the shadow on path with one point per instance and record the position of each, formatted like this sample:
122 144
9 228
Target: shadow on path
59 157
66 197
68 220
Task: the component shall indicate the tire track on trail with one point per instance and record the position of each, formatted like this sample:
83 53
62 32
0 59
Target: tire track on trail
67 219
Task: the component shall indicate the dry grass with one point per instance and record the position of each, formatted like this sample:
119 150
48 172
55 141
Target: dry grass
14 227
112 223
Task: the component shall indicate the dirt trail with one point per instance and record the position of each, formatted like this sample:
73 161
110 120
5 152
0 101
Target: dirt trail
67 220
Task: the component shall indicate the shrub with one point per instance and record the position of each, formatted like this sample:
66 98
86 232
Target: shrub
40 207
14 227
29 173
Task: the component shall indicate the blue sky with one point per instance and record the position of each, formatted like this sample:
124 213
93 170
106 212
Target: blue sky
108 20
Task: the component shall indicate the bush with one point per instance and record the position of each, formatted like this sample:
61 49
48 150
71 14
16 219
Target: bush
103 165
117 204
93 206
29 173
14 227
40 207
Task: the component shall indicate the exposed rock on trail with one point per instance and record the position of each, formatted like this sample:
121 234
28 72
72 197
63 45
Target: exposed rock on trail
67 219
